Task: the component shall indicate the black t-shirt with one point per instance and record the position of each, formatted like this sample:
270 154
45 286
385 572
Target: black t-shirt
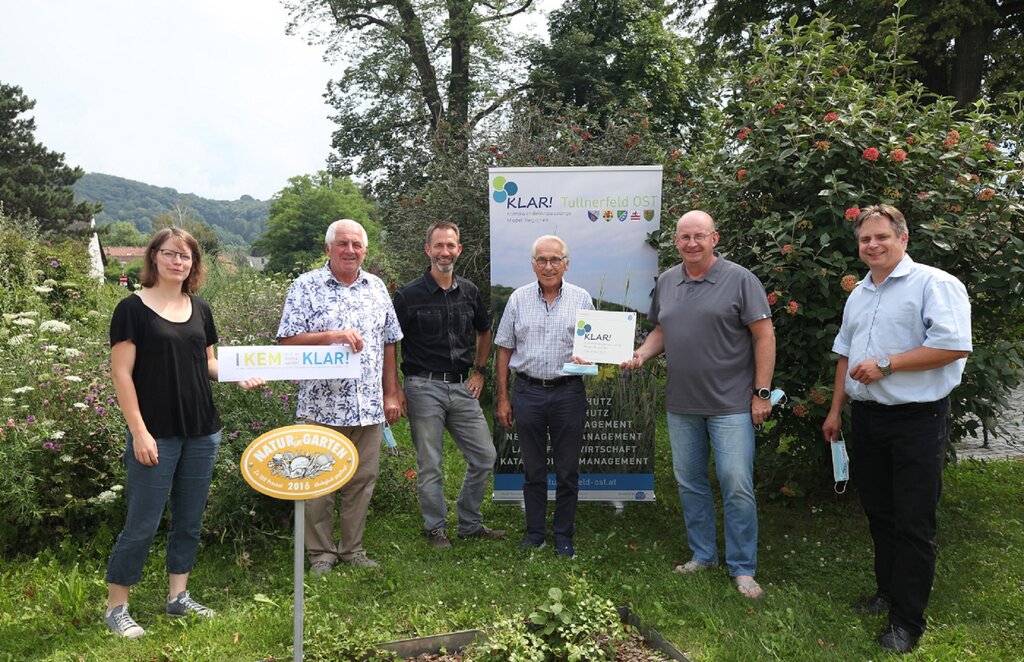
172 380
439 326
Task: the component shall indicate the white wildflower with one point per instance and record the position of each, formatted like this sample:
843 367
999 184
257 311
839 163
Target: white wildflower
22 389
14 341
49 282
24 321
117 488
72 378
66 459
50 348
42 289
71 352
55 326
80 405
58 434
7 400
106 496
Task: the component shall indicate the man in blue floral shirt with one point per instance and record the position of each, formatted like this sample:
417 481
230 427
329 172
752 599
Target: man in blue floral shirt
342 304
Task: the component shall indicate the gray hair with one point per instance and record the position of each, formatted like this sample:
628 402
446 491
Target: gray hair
332 230
550 237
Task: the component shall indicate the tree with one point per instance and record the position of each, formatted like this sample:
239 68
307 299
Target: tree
811 135
411 69
123 233
962 48
35 181
300 214
611 54
182 216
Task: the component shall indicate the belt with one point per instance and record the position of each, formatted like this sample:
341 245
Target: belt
547 383
446 377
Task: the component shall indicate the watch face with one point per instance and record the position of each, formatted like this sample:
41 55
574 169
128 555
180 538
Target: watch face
764 393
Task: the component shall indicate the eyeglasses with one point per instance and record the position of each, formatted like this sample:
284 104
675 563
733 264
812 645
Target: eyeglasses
170 255
554 262
699 238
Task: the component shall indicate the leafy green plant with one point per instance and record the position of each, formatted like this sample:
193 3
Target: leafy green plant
806 139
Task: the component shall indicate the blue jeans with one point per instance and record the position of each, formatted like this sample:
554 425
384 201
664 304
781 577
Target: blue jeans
732 440
183 473
433 406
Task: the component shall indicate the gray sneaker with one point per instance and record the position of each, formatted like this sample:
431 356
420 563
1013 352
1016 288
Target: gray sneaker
361 560
122 624
320 568
438 539
184 605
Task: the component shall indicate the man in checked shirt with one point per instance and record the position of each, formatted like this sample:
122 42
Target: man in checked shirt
535 340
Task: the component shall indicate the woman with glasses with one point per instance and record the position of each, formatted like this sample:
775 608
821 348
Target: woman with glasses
162 362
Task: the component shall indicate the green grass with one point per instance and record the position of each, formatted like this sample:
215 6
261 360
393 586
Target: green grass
815 559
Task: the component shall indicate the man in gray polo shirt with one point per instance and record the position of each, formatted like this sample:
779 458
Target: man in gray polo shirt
714 325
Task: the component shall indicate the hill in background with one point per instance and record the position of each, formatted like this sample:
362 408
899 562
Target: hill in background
237 222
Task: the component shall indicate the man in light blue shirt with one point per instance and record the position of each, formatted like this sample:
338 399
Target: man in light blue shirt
902 346
535 339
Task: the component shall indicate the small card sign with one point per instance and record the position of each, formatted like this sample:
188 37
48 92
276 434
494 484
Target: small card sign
604 336
299 462
279 362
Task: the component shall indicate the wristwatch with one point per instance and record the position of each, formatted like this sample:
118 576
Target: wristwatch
884 366
764 393
483 370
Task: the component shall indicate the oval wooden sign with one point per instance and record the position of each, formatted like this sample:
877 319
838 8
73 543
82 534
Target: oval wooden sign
299 462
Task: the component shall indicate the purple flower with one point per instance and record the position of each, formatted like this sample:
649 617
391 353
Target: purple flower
89 399
50 446
234 435
100 411
111 401
256 425
30 419
54 263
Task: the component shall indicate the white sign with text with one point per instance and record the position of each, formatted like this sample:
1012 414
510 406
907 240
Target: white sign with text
604 336
280 362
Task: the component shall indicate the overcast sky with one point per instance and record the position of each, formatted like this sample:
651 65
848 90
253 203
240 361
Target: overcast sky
205 96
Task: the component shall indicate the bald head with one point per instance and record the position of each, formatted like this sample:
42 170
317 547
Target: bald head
696 217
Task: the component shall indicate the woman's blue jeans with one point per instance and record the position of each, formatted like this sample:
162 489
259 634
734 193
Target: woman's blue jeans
183 473
731 438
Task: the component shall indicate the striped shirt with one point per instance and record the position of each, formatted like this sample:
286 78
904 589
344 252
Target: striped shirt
540 334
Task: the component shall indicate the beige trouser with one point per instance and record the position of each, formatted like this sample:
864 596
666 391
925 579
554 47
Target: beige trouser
355 500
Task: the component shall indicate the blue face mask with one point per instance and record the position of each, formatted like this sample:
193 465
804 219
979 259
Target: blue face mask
840 464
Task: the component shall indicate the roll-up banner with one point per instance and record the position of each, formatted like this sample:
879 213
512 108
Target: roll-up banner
604 214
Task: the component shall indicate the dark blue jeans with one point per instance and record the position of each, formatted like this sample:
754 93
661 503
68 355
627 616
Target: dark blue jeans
896 459
558 411
183 473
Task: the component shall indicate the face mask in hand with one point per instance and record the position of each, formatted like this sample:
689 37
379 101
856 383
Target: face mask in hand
840 464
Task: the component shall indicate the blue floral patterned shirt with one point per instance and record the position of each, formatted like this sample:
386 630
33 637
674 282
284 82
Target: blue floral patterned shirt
316 302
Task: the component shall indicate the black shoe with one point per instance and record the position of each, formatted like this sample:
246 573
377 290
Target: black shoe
484 532
565 548
876 604
897 640
527 543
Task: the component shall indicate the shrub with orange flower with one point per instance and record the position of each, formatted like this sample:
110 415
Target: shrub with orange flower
848 283
852 213
741 174
898 155
792 307
871 154
986 194
830 116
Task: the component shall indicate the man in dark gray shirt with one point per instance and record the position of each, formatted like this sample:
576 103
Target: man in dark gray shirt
714 325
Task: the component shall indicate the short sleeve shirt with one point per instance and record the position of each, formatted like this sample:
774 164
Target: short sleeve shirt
916 306
708 344
440 326
540 334
316 302
171 374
